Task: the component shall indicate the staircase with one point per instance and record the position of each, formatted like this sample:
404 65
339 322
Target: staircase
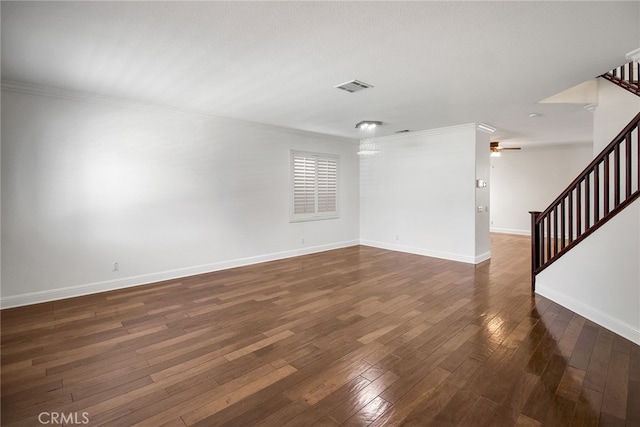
625 76
604 188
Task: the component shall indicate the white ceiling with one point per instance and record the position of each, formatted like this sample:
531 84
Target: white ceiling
433 64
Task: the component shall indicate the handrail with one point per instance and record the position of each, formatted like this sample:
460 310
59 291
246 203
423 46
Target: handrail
626 76
592 199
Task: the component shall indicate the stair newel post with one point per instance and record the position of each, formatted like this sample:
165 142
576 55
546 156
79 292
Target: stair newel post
535 247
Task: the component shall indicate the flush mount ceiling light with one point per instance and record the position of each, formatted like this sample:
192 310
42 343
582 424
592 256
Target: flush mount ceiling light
368 130
368 124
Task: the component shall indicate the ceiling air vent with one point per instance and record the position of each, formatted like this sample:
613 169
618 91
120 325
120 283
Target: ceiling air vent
403 131
353 86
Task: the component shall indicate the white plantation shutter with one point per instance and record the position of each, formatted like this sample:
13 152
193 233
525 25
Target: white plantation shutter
327 185
315 186
304 185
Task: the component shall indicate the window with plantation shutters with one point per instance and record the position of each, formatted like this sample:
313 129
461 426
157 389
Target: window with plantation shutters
315 186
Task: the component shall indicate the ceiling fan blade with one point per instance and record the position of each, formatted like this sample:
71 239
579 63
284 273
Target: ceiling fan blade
495 147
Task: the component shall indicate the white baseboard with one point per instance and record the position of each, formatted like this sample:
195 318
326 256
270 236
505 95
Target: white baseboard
513 231
601 318
510 231
482 257
426 252
127 282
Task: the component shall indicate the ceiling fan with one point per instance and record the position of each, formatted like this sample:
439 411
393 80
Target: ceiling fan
496 149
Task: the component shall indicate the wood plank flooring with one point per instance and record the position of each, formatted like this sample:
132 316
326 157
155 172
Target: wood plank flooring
356 336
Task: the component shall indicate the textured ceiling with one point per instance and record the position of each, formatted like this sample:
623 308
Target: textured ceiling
433 64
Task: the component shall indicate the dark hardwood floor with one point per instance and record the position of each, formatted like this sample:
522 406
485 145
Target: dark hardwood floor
356 336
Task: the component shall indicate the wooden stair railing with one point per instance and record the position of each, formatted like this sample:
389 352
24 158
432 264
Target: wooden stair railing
608 184
625 76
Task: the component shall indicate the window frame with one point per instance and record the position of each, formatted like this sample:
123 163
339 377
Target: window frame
315 215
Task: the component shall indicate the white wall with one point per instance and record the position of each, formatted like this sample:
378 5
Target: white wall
616 108
165 194
483 199
530 179
418 194
600 278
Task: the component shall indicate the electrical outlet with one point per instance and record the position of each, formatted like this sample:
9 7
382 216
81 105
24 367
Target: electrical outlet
397 237
116 266
302 240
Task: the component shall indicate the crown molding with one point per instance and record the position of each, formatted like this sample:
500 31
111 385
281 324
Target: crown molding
634 55
92 98
427 133
483 127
